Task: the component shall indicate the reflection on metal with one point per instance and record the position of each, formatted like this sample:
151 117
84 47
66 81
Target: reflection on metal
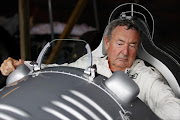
55 113
6 117
122 86
81 106
92 103
124 116
20 72
69 109
10 92
14 110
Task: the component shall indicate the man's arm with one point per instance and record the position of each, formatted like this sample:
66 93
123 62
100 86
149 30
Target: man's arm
158 95
166 105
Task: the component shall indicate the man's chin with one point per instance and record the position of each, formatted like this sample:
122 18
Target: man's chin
121 64
122 60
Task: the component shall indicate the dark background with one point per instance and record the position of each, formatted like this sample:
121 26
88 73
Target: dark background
166 14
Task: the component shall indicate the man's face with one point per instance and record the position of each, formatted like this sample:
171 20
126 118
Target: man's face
122 48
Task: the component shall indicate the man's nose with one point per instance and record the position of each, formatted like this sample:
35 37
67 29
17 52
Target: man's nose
125 50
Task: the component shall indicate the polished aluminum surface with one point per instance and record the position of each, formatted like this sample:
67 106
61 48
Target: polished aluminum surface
20 72
122 86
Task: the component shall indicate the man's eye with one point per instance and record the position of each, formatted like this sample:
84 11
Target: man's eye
132 46
119 43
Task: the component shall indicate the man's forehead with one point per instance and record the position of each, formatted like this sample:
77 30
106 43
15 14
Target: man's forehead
124 30
121 33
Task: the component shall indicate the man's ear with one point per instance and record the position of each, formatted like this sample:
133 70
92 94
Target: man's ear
106 42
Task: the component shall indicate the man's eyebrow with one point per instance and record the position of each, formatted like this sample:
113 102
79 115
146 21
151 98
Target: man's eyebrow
129 43
120 40
133 43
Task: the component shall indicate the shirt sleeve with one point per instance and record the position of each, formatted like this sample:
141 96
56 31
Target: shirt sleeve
158 95
166 105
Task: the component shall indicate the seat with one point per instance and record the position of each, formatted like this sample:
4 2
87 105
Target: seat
166 64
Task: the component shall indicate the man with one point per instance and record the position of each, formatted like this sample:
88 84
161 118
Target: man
121 43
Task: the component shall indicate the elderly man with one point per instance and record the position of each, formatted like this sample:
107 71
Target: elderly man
121 43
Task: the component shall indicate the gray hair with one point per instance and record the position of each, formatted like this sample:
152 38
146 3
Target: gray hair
123 22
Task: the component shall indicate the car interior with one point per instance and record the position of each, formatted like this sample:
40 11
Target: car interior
166 64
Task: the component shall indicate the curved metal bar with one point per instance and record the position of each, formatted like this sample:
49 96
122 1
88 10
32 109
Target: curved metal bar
132 10
40 57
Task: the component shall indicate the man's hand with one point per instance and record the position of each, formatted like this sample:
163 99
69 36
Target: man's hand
9 65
